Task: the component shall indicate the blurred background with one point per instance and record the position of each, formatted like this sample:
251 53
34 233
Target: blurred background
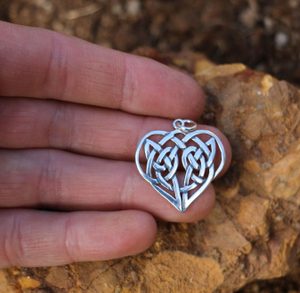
263 34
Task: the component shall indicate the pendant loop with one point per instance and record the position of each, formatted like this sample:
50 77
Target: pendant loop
184 125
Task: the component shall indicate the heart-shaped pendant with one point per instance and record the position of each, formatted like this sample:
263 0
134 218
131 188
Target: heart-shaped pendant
185 148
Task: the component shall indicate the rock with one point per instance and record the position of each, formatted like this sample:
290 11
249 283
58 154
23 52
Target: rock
5 286
170 264
253 232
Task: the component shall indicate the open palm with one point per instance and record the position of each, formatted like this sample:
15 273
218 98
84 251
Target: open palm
71 114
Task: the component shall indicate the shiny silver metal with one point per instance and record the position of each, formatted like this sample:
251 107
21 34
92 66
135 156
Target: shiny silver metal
194 151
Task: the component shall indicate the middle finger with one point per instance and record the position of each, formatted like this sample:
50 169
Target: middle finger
58 179
26 123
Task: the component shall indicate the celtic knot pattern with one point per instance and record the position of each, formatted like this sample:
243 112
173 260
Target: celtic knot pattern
180 165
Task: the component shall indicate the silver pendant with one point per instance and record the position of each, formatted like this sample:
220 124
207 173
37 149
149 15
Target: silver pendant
179 164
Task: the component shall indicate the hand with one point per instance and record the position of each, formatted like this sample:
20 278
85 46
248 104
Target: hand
71 114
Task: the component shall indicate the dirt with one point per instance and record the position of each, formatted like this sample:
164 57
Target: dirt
264 35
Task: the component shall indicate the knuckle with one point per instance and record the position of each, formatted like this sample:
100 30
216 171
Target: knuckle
49 190
15 244
56 73
16 121
130 86
126 194
60 128
72 244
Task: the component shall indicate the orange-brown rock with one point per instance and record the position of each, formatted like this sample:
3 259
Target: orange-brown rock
253 232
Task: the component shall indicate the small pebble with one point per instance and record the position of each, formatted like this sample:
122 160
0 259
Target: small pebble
133 7
281 40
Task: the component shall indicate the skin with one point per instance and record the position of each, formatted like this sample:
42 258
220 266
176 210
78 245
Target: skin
71 115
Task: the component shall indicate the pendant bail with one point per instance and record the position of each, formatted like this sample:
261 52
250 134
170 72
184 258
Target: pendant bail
184 125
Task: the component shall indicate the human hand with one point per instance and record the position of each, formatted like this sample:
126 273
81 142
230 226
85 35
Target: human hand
71 114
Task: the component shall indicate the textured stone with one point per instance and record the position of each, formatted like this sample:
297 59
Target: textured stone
165 273
5 285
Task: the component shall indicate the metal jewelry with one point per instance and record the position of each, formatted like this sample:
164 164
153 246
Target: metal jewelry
180 164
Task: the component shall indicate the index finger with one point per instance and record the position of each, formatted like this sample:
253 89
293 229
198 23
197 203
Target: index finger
43 64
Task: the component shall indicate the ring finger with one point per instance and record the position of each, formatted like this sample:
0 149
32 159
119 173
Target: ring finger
50 178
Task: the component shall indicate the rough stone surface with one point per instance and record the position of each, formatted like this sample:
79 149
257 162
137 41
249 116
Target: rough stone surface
253 232
262 34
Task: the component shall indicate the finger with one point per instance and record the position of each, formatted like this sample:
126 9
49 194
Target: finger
36 238
43 64
61 180
86 130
